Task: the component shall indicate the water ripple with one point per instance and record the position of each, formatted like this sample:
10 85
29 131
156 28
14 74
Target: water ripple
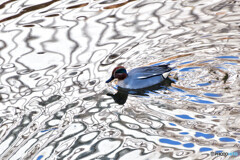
55 57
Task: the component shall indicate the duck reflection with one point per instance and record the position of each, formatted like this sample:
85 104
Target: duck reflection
122 94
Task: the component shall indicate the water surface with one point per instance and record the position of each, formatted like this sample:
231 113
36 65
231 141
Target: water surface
55 57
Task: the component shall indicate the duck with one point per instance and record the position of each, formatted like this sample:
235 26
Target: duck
141 77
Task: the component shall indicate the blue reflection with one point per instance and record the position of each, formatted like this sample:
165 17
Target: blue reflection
204 149
228 57
184 133
156 64
188 145
222 68
206 61
172 124
188 69
169 98
168 141
115 87
163 63
191 95
231 63
184 116
212 95
218 151
207 136
202 101
204 84
226 139
40 157
46 130
174 80
185 62
178 89
172 61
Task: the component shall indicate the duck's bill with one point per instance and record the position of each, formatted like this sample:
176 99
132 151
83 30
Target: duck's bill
110 79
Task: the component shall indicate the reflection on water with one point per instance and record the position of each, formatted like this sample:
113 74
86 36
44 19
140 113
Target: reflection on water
120 95
56 55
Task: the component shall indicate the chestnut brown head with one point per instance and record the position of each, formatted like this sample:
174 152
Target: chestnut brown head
119 72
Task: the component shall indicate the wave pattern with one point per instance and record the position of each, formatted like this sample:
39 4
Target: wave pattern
56 55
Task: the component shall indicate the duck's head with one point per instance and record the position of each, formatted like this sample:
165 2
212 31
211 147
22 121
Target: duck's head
119 72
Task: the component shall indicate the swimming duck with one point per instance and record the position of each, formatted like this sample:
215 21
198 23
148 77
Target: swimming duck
139 78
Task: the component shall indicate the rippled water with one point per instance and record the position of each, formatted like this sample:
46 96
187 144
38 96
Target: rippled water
55 57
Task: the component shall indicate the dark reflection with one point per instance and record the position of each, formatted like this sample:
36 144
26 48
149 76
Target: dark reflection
50 100
121 96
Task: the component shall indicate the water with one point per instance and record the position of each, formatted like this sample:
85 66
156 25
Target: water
55 57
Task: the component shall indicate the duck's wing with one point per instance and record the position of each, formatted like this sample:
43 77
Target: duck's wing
149 71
